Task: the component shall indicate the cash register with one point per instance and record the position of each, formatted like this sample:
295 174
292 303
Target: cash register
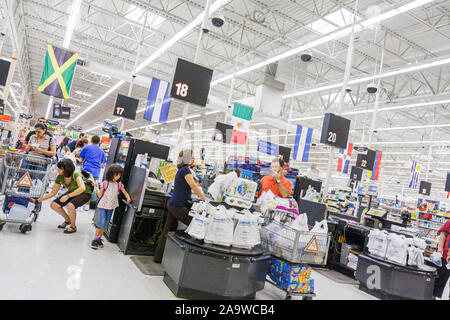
375 217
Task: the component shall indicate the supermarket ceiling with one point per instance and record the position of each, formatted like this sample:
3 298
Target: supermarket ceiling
114 36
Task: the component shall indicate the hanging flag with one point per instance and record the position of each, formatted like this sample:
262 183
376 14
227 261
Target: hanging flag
242 115
373 174
302 143
414 179
344 158
58 72
158 101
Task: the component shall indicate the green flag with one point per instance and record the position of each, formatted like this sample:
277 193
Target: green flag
58 72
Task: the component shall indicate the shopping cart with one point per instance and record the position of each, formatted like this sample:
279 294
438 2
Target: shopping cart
25 176
301 248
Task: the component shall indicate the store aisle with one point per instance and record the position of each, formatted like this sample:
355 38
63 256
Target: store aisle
48 264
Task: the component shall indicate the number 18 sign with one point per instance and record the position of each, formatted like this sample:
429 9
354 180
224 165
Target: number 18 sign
125 107
191 82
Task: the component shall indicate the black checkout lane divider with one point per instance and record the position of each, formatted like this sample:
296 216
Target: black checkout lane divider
205 309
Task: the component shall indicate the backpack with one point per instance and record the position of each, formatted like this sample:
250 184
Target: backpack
88 179
105 186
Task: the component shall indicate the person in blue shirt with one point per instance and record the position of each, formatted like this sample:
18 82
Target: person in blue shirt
94 159
71 146
177 207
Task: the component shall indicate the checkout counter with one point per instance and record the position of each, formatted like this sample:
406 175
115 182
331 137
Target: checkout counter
196 270
145 217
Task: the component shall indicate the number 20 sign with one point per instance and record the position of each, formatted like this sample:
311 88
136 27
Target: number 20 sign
335 131
125 107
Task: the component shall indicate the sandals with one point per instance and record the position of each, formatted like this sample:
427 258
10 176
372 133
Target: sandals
64 224
70 230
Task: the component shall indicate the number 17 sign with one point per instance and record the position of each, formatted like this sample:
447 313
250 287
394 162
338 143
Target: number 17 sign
125 107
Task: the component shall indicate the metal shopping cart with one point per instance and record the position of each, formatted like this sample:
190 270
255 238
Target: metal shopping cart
301 248
23 176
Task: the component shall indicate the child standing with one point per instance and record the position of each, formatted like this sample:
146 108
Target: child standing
108 200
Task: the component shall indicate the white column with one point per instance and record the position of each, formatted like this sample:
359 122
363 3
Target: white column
377 96
186 108
348 67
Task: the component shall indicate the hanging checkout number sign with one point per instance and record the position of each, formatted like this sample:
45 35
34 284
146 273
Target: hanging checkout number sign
366 161
191 82
125 107
335 131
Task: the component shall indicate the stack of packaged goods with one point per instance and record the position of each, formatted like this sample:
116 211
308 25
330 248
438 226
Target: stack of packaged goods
290 277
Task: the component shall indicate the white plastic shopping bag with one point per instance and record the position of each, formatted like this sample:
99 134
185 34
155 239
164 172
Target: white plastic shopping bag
220 228
244 234
300 223
436 258
196 228
397 249
220 184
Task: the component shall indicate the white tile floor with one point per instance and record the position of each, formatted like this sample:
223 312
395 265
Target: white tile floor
48 264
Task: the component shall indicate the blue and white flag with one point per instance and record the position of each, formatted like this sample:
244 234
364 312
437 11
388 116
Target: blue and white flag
414 179
158 101
302 143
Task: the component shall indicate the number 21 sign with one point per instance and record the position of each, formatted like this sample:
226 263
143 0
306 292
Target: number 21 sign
125 107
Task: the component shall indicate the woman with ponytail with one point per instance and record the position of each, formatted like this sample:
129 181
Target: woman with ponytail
178 208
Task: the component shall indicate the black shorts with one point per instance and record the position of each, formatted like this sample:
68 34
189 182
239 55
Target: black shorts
77 201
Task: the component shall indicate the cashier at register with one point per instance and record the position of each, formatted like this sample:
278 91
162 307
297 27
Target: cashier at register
277 183
178 204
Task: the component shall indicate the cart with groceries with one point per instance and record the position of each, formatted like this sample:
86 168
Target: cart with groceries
294 248
22 177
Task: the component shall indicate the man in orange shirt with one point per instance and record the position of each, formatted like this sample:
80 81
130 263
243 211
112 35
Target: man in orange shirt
277 183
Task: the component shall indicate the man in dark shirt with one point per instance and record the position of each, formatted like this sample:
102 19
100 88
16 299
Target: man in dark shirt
40 120
71 146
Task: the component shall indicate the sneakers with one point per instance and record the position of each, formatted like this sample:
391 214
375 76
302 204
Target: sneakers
94 244
86 207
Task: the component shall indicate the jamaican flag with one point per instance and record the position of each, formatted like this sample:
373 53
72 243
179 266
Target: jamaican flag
58 72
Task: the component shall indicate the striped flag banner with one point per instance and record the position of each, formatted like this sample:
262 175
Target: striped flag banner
242 115
374 173
302 143
158 101
414 179
344 158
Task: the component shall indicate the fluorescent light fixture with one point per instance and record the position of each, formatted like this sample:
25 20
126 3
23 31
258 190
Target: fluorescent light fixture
107 93
333 36
257 124
73 18
174 120
212 112
414 127
13 95
193 116
417 67
411 142
406 106
50 103
179 35
73 105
